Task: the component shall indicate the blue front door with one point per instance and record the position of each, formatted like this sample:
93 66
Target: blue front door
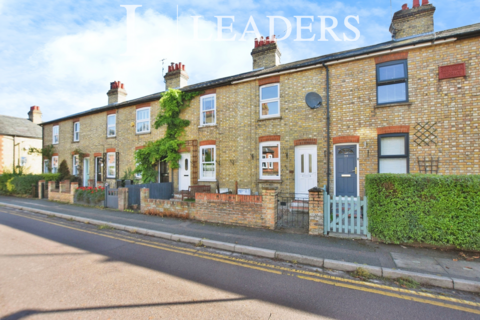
346 170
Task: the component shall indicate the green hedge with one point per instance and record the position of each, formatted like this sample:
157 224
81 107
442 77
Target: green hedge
22 184
434 209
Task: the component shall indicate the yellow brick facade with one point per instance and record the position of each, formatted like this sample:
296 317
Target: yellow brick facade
453 104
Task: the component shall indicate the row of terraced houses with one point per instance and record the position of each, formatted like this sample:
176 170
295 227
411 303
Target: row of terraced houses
404 106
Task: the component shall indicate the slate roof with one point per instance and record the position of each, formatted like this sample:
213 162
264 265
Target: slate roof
459 33
12 126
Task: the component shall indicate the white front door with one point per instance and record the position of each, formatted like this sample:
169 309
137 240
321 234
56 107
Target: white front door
184 172
86 171
305 169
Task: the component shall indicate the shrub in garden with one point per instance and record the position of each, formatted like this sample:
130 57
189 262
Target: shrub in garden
64 171
434 209
90 195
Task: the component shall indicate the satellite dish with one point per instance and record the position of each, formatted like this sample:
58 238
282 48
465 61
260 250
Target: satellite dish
313 100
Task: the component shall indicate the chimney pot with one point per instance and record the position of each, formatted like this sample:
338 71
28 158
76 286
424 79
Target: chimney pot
183 67
424 2
405 7
416 3
176 80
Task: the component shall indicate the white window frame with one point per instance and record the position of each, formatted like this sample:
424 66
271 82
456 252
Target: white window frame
138 175
75 159
141 121
202 178
57 129
114 165
214 109
114 125
272 160
269 100
76 131
45 165
54 169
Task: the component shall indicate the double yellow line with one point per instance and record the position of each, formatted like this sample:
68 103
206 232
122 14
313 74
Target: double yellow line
384 290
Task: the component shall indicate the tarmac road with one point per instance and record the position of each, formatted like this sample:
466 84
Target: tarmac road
57 269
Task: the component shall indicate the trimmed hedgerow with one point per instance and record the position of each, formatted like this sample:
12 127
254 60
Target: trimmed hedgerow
433 209
12 183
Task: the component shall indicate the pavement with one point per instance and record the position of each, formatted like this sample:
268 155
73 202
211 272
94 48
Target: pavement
56 268
446 264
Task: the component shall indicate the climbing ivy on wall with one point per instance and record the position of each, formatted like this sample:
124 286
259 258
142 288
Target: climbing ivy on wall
166 149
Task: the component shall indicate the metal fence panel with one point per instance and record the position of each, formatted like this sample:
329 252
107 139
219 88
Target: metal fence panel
162 190
112 198
292 211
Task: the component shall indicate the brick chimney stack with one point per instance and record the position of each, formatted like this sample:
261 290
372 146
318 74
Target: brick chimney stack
117 93
35 115
176 77
411 22
266 53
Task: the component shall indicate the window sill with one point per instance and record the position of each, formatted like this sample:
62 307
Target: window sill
205 180
207 126
76 141
393 104
142 133
270 118
112 137
269 181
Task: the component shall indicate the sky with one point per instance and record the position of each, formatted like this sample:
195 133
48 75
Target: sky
62 55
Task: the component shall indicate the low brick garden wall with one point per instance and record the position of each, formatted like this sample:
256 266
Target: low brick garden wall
248 211
66 193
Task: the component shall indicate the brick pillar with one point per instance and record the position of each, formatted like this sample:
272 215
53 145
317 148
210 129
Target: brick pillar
269 204
51 186
315 211
144 196
40 188
73 188
122 198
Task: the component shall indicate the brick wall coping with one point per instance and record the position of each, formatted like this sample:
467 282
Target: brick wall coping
269 138
393 129
215 197
303 142
208 143
346 139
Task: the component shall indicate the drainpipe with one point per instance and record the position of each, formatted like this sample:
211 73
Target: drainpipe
13 164
328 126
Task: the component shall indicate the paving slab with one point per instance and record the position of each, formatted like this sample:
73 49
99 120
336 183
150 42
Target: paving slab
461 268
417 262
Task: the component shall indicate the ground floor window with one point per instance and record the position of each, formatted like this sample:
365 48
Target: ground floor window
54 164
111 165
393 153
75 165
207 163
45 166
270 160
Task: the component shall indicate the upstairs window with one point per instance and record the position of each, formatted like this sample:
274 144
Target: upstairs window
270 101
143 120
392 82
393 153
270 160
55 137
111 125
207 163
208 110
54 164
76 131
